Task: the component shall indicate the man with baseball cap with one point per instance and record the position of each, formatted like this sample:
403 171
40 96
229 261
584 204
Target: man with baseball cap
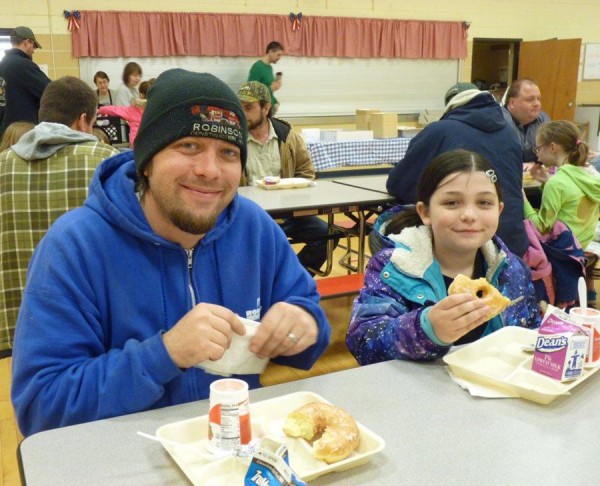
128 294
275 149
21 80
472 120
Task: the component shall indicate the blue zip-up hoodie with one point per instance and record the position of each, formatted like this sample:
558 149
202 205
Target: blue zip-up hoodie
478 126
103 287
390 316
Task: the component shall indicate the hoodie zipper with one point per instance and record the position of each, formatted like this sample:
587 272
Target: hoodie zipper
190 254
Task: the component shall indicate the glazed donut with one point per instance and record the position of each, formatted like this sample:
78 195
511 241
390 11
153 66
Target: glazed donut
332 431
480 289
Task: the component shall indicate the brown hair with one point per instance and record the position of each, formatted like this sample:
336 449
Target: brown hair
101 75
514 90
101 135
565 134
14 132
130 69
145 86
66 99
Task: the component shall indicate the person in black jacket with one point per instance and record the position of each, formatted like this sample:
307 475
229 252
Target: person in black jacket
473 121
21 80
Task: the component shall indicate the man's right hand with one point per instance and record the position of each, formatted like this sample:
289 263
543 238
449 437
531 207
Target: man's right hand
203 333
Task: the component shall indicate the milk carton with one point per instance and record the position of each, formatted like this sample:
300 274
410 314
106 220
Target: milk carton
560 347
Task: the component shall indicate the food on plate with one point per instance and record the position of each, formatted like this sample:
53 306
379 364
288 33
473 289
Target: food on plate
332 431
269 180
481 289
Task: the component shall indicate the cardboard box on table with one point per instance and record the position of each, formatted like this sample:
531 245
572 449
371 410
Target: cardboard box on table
407 132
362 118
384 125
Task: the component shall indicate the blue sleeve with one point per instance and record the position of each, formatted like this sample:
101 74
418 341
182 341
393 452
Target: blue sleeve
63 371
35 81
384 325
296 286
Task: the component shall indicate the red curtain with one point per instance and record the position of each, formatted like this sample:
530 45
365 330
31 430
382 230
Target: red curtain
165 34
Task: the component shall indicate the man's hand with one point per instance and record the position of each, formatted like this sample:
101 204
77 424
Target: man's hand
203 333
454 316
285 330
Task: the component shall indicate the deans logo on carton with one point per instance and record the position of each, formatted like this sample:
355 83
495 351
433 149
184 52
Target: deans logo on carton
551 344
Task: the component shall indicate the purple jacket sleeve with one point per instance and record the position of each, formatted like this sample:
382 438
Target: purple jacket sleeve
384 325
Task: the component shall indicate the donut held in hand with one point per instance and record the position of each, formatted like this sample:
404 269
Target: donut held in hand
481 289
332 431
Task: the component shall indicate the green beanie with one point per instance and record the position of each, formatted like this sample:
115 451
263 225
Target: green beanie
186 104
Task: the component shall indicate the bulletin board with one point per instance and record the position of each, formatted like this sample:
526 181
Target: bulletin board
591 64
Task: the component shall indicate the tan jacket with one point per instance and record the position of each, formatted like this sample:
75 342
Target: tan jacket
295 158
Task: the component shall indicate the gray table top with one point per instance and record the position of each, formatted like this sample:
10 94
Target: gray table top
435 433
324 197
370 182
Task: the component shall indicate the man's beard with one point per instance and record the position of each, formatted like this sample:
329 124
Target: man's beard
258 123
191 224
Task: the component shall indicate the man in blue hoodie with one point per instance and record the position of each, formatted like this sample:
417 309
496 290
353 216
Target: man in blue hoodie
473 120
129 293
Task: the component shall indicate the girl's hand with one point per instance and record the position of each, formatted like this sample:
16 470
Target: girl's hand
539 173
454 316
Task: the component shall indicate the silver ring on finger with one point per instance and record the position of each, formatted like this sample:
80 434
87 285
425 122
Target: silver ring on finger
292 337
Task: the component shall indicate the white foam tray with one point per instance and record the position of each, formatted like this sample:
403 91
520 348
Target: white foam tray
267 418
286 183
499 361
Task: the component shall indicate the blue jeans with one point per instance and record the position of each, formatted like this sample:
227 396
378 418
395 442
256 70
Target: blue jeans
314 232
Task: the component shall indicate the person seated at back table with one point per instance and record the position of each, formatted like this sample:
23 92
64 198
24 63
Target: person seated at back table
404 310
105 94
45 174
572 194
522 109
131 114
275 149
127 294
473 121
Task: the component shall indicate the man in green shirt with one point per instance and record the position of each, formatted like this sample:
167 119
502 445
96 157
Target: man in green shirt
262 71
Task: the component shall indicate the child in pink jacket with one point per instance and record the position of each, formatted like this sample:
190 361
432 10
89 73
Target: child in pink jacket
132 114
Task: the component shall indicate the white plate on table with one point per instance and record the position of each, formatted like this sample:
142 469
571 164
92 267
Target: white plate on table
499 361
286 183
267 418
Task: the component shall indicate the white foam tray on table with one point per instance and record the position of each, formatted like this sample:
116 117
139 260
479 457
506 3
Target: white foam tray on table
286 183
267 418
499 361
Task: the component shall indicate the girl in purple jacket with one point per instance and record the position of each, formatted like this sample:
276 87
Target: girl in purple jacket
403 310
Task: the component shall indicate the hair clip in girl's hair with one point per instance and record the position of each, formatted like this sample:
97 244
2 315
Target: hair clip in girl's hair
578 143
492 175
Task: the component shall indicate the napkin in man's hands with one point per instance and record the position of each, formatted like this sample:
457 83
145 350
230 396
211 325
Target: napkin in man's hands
238 360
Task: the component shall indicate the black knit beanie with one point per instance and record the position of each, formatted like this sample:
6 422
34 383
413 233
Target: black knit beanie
186 104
